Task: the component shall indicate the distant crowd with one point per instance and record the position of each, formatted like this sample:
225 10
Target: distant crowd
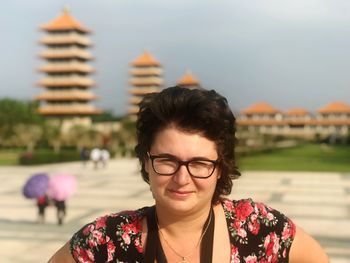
98 156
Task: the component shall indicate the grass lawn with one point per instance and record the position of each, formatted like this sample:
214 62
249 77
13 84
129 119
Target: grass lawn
9 157
307 157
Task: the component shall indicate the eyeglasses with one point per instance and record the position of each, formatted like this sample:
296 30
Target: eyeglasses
168 165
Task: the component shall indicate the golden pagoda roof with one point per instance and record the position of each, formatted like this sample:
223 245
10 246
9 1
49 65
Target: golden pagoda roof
64 22
66 96
68 111
146 59
188 80
260 108
66 67
335 107
297 112
66 53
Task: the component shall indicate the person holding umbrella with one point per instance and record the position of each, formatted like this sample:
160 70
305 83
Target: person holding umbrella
61 187
35 188
42 202
61 210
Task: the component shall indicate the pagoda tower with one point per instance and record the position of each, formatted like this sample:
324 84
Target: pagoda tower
67 84
146 77
188 81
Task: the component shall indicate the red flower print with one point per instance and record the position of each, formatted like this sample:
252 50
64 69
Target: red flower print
243 210
101 222
88 229
251 259
270 216
254 225
126 238
262 209
234 255
237 224
98 236
137 244
287 232
241 232
110 250
82 255
229 205
129 228
90 255
271 245
92 242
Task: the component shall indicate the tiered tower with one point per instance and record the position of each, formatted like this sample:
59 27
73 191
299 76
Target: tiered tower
146 77
188 81
67 84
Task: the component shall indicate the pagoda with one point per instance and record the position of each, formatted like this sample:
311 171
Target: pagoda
146 77
67 84
188 81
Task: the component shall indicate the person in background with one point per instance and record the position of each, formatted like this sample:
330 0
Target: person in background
185 145
42 202
61 210
84 155
95 156
104 157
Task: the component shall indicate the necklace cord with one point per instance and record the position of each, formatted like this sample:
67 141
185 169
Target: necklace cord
205 228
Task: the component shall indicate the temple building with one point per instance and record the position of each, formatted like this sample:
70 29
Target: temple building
188 81
332 119
146 77
67 86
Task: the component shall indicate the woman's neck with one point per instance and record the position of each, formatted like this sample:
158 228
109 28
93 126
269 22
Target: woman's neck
175 224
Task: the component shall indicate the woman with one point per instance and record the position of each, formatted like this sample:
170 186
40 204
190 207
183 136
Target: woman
61 210
42 202
185 146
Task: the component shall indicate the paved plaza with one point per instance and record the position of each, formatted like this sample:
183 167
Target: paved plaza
318 202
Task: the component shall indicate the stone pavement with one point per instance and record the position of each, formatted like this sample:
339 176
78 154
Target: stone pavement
318 202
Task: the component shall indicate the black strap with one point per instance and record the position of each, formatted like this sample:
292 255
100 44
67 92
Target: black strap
154 248
207 241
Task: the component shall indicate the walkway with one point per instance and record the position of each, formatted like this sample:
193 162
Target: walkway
318 202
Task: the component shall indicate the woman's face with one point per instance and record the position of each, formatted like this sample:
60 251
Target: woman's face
180 192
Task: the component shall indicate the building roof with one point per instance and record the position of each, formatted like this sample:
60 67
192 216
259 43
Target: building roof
146 59
260 108
297 112
335 107
188 80
64 22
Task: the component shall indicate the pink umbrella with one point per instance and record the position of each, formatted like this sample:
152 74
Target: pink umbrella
62 186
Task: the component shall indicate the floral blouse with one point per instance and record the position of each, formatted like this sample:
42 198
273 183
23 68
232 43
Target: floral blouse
257 234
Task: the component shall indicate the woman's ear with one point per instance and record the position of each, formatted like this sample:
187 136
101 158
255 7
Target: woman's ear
146 164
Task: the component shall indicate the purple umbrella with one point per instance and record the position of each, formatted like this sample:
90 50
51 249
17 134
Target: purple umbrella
36 185
62 186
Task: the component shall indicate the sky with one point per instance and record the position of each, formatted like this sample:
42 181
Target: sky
289 53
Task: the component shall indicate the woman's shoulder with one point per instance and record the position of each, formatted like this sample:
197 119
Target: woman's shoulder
99 240
242 209
254 227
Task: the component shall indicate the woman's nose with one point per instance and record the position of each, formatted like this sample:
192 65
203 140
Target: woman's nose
182 176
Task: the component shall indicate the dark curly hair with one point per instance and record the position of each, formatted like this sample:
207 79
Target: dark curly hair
198 110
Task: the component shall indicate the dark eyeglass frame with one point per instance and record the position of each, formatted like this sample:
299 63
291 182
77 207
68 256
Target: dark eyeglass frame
181 163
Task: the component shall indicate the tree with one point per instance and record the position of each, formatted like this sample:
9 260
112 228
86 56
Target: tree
15 112
27 135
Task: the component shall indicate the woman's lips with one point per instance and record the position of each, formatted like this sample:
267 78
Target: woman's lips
179 193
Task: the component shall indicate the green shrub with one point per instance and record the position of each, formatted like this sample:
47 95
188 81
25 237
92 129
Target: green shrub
47 156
